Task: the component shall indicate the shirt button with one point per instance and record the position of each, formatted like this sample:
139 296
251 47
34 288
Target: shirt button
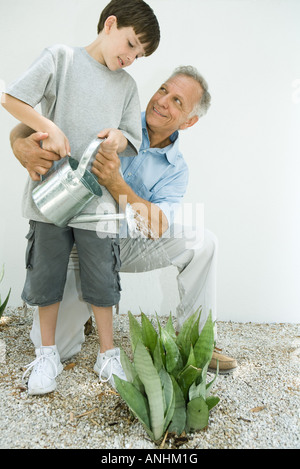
129 174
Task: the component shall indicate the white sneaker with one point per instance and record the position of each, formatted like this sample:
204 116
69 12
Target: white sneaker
46 367
109 364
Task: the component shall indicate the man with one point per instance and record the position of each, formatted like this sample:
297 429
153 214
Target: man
153 183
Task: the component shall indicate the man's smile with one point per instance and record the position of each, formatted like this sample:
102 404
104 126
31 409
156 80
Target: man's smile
157 112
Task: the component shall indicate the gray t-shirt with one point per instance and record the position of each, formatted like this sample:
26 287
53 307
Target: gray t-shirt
82 97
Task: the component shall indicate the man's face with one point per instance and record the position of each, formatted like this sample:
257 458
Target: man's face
169 108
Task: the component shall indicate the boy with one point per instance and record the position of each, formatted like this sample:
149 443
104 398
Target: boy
83 93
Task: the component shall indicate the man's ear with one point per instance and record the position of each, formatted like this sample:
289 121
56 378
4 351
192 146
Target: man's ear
189 123
109 23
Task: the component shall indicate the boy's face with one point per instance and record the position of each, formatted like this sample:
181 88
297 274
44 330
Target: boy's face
120 47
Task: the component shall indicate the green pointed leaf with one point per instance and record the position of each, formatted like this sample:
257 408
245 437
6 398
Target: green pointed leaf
178 421
173 357
3 306
185 379
135 401
127 366
204 346
184 340
130 371
169 327
2 273
170 413
197 414
149 376
212 401
159 358
194 391
191 359
149 334
198 388
169 397
195 328
158 323
135 330
209 385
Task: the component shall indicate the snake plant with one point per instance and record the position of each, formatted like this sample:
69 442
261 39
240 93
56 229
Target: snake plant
166 385
3 305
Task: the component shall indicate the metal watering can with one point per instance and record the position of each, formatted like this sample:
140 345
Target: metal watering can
68 188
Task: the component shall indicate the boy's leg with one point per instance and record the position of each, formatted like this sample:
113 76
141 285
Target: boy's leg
104 322
99 264
47 258
48 318
108 361
72 314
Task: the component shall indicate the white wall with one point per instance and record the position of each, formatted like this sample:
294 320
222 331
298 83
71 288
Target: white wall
243 156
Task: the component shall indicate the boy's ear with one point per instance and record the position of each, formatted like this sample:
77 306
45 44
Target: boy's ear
109 23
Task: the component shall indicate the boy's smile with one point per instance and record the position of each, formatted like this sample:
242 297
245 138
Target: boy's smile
123 47
116 48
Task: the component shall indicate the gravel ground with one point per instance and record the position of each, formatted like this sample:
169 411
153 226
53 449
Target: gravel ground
258 408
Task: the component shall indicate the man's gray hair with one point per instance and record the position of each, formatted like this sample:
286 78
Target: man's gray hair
203 105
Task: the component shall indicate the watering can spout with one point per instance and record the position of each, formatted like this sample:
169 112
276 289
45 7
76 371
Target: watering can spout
90 217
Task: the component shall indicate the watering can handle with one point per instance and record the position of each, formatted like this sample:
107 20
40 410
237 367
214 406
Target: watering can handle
85 159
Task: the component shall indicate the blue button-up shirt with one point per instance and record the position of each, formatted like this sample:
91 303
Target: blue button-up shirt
159 175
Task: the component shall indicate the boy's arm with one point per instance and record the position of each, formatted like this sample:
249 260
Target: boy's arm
22 111
115 141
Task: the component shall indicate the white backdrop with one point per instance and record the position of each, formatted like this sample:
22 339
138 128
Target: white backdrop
243 156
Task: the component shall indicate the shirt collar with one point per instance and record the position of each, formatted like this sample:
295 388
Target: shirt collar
170 151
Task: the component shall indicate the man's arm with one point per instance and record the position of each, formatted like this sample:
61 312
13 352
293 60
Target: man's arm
25 144
106 168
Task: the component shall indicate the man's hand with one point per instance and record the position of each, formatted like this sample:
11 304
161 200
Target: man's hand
106 168
30 154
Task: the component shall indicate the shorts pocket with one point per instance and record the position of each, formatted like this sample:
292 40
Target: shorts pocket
30 237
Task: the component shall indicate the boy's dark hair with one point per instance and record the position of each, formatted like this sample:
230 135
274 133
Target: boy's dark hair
138 15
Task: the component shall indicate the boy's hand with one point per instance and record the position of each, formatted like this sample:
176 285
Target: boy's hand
115 142
106 167
57 142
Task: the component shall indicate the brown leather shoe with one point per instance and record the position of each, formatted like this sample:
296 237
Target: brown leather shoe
226 364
